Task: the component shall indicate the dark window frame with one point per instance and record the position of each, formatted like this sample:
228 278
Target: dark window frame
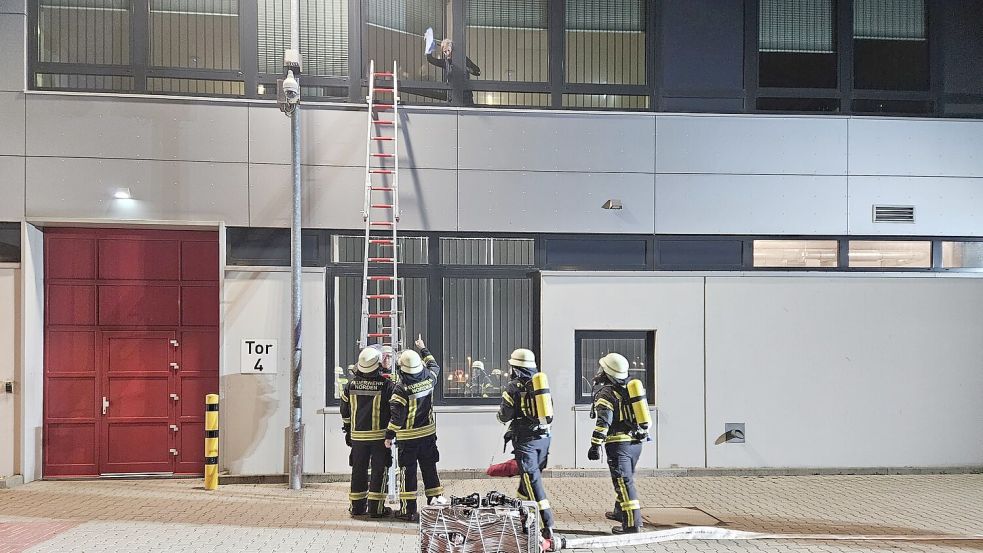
650 373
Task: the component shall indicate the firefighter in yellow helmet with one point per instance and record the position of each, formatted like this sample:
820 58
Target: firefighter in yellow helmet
414 427
527 410
365 415
622 426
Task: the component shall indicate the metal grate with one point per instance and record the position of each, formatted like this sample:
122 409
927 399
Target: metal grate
394 31
605 101
605 41
508 39
508 99
323 36
804 26
889 19
194 34
166 85
84 31
894 214
88 83
487 251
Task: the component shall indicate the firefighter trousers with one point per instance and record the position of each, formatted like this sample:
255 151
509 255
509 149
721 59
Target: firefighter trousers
422 452
531 455
368 494
622 459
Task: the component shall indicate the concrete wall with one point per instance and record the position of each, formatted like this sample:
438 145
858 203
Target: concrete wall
255 409
10 333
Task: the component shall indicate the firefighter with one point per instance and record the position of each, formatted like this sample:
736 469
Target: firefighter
414 428
527 412
622 426
364 415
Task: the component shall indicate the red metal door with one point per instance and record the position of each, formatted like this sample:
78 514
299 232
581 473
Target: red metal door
137 403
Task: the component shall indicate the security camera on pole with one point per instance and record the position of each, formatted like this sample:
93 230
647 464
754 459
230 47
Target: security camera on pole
288 98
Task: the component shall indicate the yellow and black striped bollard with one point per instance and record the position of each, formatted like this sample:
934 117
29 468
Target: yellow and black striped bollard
211 442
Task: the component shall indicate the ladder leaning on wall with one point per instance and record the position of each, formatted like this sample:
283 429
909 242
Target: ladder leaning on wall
381 290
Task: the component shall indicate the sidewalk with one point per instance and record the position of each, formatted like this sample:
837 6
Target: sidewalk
176 515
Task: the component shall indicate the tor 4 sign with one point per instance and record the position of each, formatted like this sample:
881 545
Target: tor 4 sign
258 356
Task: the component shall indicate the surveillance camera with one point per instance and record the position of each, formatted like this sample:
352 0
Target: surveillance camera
290 89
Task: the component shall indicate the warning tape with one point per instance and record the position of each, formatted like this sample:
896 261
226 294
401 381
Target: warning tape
712 533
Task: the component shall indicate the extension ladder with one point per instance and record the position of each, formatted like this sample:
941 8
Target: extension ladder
381 290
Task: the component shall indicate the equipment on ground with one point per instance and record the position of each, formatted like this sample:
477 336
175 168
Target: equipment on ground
475 524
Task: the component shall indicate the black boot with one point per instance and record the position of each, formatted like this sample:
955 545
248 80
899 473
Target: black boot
611 515
622 530
386 513
408 517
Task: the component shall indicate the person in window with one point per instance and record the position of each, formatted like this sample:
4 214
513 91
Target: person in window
365 415
414 428
446 62
621 433
530 435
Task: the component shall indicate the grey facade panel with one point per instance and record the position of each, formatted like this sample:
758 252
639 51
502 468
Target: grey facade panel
702 45
333 198
539 141
911 147
13 6
508 201
943 206
11 188
753 145
11 123
13 28
77 126
750 204
161 190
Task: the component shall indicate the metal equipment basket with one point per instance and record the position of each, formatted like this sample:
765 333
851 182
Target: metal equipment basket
480 526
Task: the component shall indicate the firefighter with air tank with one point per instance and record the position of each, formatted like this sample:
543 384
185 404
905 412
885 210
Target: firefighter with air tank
622 426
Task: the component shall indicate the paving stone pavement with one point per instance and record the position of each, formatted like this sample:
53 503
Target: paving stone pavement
178 515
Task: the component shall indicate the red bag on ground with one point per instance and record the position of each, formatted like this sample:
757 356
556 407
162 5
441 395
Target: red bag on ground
507 469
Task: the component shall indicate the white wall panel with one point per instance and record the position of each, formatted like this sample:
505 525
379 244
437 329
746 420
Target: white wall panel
755 145
78 126
162 190
255 412
845 372
555 202
9 347
13 6
750 204
333 197
12 188
11 123
943 205
333 136
913 147
13 60
671 306
31 377
538 141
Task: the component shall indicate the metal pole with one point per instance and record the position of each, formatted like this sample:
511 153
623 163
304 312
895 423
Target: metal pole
296 417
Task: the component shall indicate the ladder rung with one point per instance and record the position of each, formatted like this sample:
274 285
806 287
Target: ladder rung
382 206
382 223
378 334
381 260
383 155
382 241
381 296
382 171
383 89
381 188
382 138
383 74
382 107
382 122
380 315
380 277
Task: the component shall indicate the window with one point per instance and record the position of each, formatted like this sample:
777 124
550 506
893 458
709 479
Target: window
484 320
637 346
605 42
95 32
508 40
890 254
394 30
10 242
487 251
323 37
195 34
796 44
795 253
890 45
962 255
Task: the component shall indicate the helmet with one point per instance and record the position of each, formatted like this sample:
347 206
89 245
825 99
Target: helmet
478 365
409 362
523 358
368 360
615 365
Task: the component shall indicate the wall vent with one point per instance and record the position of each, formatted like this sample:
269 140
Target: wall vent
894 214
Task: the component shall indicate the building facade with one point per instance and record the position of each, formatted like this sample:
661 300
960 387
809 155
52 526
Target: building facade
798 247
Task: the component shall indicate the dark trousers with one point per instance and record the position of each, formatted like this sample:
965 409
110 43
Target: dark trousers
531 455
422 451
365 492
622 459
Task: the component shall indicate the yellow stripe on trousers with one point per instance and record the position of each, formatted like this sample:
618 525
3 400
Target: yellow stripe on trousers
629 514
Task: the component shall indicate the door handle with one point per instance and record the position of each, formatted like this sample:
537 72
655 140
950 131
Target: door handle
105 404
175 343
175 366
175 397
174 428
173 452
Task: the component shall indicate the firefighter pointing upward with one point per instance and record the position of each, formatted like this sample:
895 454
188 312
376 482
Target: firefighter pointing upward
622 426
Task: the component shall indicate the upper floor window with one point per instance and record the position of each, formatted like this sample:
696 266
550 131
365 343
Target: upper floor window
890 45
796 44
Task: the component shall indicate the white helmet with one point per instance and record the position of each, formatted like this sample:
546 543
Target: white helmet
368 360
523 357
410 362
615 365
478 365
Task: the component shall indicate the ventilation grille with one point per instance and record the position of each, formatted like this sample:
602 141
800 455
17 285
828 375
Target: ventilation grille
894 214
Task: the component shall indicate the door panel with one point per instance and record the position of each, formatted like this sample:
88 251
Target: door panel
70 257
70 304
122 259
143 305
70 352
199 261
138 384
71 449
199 305
71 398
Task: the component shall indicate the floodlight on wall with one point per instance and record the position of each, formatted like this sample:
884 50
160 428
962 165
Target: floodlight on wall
122 194
612 204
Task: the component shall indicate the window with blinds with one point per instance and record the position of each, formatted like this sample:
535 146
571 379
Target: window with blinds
889 19
890 42
605 41
84 32
796 44
394 30
323 36
508 40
